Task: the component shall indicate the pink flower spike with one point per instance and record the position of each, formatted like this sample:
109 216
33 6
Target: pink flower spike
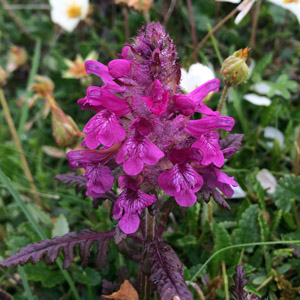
203 90
184 105
208 144
103 128
157 102
120 68
136 151
181 181
196 128
102 97
100 180
128 207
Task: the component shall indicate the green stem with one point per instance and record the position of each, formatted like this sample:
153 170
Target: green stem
223 98
28 292
242 246
215 45
33 72
37 228
225 280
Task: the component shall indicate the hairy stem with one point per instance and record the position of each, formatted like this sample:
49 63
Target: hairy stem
14 134
223 98
149 236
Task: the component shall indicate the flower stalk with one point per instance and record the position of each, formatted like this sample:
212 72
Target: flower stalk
19 147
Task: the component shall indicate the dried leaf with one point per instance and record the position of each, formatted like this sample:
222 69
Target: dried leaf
126 292
72 179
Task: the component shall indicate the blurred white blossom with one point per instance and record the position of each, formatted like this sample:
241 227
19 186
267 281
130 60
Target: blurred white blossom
238 192
68 13
273 133
291 5
196 76
267 180
257 100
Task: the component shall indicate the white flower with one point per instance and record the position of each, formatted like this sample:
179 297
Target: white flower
291 5
257 100
68 13
273 133
267 180
263 88
196 76
238 192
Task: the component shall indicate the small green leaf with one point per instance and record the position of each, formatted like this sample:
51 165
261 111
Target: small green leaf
61 226
260 194
289 220
247 230
287 190
88 276
264 228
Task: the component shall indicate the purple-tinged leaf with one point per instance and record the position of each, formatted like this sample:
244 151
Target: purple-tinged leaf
238 289
85 238
72 179
208 192
167 272
231 144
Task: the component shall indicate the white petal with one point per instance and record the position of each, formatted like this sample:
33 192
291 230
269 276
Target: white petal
244 8
293 7
238 192
252 66
273 133
261 88
232 1
257 100
196 76
267 180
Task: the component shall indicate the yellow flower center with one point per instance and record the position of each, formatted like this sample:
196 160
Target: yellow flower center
74 11
290 1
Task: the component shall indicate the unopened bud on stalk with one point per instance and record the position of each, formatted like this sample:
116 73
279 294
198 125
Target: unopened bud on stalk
43 86
234 70
3 77
17 57
65 130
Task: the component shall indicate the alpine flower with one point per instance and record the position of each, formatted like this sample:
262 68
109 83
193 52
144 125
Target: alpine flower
68 13
141 135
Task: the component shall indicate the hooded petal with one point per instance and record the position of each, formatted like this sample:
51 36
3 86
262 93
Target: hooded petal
120 68
196 128
128 206
224 183
136 151
103 128
200 93
100 179
208 144
179 178
100 96
184 105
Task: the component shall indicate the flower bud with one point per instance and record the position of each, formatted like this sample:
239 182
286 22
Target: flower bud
17 57
43 86
65 130
234 70
3 76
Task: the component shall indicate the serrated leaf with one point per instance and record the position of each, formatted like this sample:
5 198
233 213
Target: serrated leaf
85 238
44 274
61 226
247 230
72 179
167 272
287 190
90 276
264 228
222 240
276 220
260 195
